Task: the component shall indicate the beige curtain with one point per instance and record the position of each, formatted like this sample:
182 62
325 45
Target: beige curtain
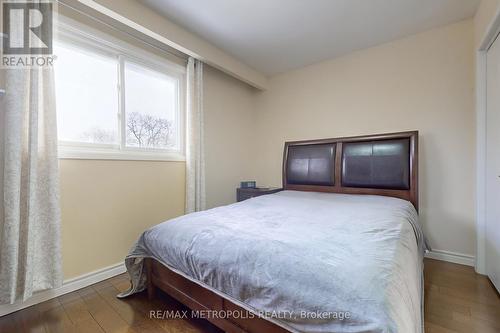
195 154
30 254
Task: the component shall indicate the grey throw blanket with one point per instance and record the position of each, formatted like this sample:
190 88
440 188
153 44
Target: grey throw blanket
357 260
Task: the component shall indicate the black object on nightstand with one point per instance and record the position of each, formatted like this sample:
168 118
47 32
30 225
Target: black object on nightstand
247 193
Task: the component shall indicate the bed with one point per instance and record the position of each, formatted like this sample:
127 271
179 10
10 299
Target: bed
340 249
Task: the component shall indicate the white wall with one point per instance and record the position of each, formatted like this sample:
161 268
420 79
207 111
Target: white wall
423 82
229 134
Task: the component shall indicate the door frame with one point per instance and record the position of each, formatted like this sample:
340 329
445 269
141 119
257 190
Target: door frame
481 109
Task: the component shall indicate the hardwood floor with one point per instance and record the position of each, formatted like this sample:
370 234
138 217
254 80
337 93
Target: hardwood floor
459 300
456 300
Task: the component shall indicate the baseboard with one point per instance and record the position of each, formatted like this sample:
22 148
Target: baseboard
456 258
68 286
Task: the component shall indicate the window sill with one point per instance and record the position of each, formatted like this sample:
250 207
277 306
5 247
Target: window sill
66 153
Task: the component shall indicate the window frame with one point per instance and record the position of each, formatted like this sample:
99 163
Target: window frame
76 35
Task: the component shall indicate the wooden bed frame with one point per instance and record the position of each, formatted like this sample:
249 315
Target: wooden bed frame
199 298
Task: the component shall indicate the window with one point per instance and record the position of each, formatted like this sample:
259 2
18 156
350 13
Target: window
151 115
116 102
86 96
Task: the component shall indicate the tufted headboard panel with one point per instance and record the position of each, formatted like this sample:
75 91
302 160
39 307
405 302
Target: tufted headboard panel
382 164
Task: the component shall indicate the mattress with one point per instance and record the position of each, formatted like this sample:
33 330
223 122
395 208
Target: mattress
313 262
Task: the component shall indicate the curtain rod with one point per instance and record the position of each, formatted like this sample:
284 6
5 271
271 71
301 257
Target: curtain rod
177 53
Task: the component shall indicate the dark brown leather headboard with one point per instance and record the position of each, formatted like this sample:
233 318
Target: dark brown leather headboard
311 164
382 164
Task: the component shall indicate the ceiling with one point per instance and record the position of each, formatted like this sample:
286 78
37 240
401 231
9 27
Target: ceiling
274 36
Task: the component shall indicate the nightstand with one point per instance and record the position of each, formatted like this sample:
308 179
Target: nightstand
247 193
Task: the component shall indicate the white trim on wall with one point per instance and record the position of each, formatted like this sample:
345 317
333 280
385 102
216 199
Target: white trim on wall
481 70
73 153
68 286
454 257
480 264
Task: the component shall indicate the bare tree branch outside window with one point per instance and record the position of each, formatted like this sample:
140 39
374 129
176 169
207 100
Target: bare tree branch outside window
142 131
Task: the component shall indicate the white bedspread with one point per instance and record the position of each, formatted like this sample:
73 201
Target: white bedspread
293 251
